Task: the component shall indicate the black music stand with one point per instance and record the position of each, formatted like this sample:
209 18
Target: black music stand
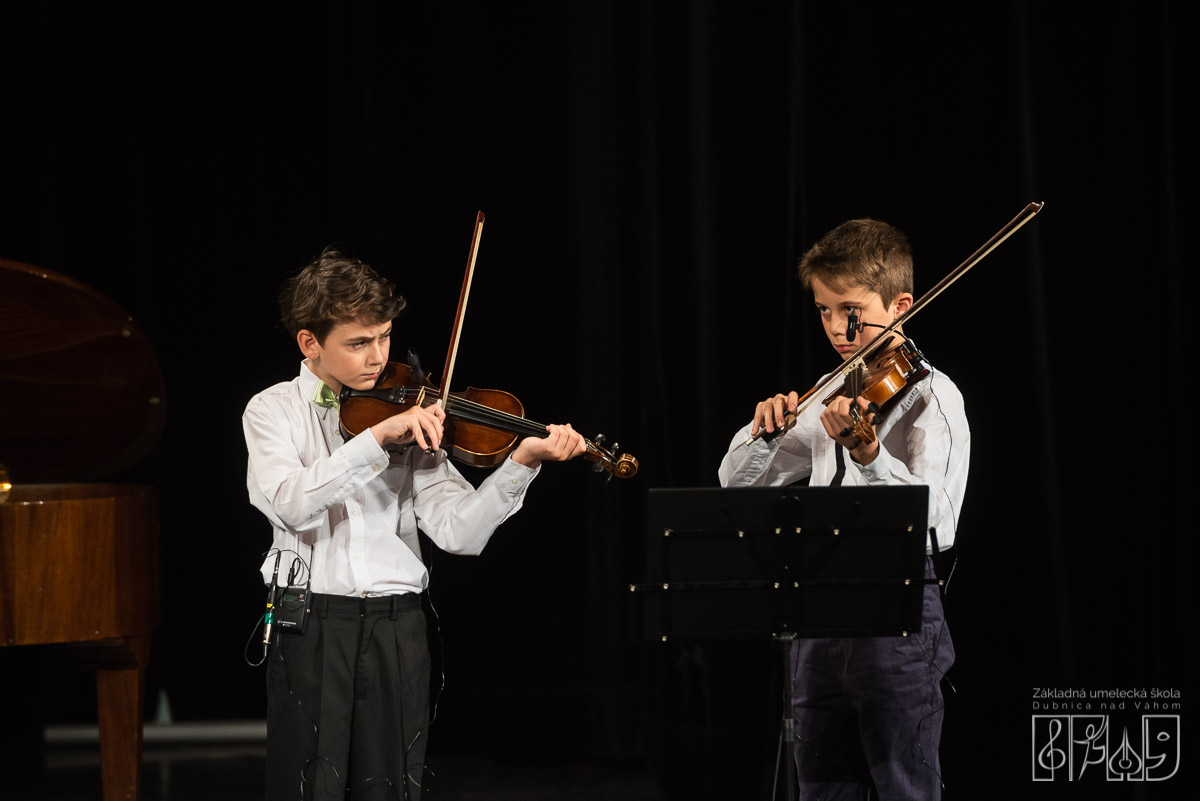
783 563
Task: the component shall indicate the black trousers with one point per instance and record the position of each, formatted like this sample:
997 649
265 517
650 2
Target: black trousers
869 711
348 702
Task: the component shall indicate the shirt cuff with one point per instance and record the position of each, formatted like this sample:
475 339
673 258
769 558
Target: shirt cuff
364 451
879 469
762 453
513 477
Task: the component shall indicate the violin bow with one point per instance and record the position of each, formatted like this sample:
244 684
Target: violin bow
459 316
884 337
623 465
958 272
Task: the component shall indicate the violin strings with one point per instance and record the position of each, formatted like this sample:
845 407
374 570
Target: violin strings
481 414
485 415
478 413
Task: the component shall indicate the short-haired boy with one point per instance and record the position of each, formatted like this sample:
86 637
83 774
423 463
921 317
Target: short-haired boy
348 700
868 710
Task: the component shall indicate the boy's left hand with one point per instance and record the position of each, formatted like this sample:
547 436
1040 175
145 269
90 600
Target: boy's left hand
840 427
560 444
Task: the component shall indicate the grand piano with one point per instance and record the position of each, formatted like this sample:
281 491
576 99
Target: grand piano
82 401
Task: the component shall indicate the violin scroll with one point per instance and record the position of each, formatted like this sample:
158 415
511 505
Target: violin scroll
861 427
610 460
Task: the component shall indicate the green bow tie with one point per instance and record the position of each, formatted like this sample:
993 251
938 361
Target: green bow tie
325 397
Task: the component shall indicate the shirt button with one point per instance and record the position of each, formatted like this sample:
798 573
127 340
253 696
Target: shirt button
514 481
354 512
374 468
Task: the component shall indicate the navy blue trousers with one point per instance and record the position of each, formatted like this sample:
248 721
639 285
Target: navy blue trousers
869 711
348 702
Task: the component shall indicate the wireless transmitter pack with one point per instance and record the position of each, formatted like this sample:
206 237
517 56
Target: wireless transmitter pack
291 611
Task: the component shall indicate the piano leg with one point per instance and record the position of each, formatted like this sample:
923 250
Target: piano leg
120 667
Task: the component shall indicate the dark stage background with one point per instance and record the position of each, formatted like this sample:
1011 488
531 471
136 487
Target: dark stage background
650 174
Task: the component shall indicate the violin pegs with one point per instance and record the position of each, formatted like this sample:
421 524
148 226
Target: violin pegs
599 439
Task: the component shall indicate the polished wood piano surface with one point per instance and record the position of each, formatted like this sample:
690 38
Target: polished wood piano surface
79 562
79 565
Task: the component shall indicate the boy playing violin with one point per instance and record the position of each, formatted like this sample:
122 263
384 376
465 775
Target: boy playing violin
348 699
868 710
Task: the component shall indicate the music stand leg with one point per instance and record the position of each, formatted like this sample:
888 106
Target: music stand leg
786 749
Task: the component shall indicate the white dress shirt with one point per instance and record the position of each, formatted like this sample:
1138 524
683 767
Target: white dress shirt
356 505
924 439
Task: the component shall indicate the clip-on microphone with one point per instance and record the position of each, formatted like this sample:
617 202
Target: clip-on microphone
853 326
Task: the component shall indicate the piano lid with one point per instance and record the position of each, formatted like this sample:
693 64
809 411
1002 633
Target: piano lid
81 392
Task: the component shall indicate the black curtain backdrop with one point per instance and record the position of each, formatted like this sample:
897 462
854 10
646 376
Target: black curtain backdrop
650 174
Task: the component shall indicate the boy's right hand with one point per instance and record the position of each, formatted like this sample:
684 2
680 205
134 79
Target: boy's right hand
770 414
420 424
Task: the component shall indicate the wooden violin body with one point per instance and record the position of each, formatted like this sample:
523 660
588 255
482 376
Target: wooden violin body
884 379
481 428
398 389
880 382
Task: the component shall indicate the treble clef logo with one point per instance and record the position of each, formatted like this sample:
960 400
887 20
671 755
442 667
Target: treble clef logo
1050 757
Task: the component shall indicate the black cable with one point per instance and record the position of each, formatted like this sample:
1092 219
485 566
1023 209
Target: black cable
250 639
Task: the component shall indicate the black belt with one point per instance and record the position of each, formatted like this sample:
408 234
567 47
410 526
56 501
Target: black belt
346 605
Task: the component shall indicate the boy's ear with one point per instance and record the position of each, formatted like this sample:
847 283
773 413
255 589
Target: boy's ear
902 303
308 343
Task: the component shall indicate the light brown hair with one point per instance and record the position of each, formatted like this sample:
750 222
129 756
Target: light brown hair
861 253
334 289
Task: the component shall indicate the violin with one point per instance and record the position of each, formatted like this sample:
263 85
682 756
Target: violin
880 383
482 426
880 371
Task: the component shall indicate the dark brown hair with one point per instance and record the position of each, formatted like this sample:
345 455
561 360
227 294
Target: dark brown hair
336 289
861 253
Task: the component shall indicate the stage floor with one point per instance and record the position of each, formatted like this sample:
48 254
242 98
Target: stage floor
233 770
